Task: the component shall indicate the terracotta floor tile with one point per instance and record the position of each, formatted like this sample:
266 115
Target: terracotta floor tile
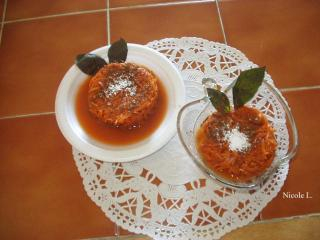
278 34
293 229
18 9
147 24
35 55
1 9
304 169
42 193
125 3
124 232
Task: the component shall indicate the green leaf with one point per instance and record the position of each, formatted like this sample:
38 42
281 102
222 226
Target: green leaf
247 85
219 100
118 51
90 63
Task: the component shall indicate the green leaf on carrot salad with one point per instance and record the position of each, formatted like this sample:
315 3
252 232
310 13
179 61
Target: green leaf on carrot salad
118 51
90 63
247 85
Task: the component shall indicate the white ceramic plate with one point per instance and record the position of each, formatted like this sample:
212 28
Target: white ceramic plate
77 137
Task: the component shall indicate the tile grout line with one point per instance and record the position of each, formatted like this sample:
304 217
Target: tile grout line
110 9
27 115
55 15
108 22
293 89
275 220
260 216
221 22
139 6
3 18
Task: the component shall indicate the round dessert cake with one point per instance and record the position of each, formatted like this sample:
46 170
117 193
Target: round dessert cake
123 94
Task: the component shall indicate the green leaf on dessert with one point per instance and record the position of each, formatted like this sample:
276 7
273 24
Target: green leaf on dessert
90 63
219 100
247 85
118 51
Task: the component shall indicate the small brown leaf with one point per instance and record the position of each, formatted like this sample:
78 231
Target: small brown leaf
118 51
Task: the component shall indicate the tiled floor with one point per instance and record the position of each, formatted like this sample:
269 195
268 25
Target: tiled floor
42 194
29 53
170 22
278 34
21 9
2 3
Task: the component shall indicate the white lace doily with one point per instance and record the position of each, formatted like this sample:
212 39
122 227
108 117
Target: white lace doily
165 195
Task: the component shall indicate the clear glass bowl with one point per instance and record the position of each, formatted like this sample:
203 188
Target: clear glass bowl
267 100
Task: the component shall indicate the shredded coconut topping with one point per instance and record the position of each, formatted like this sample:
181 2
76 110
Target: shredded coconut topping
121 83
237 140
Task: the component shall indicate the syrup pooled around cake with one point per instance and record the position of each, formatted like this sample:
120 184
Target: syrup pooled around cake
120 108
123 94
238 145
